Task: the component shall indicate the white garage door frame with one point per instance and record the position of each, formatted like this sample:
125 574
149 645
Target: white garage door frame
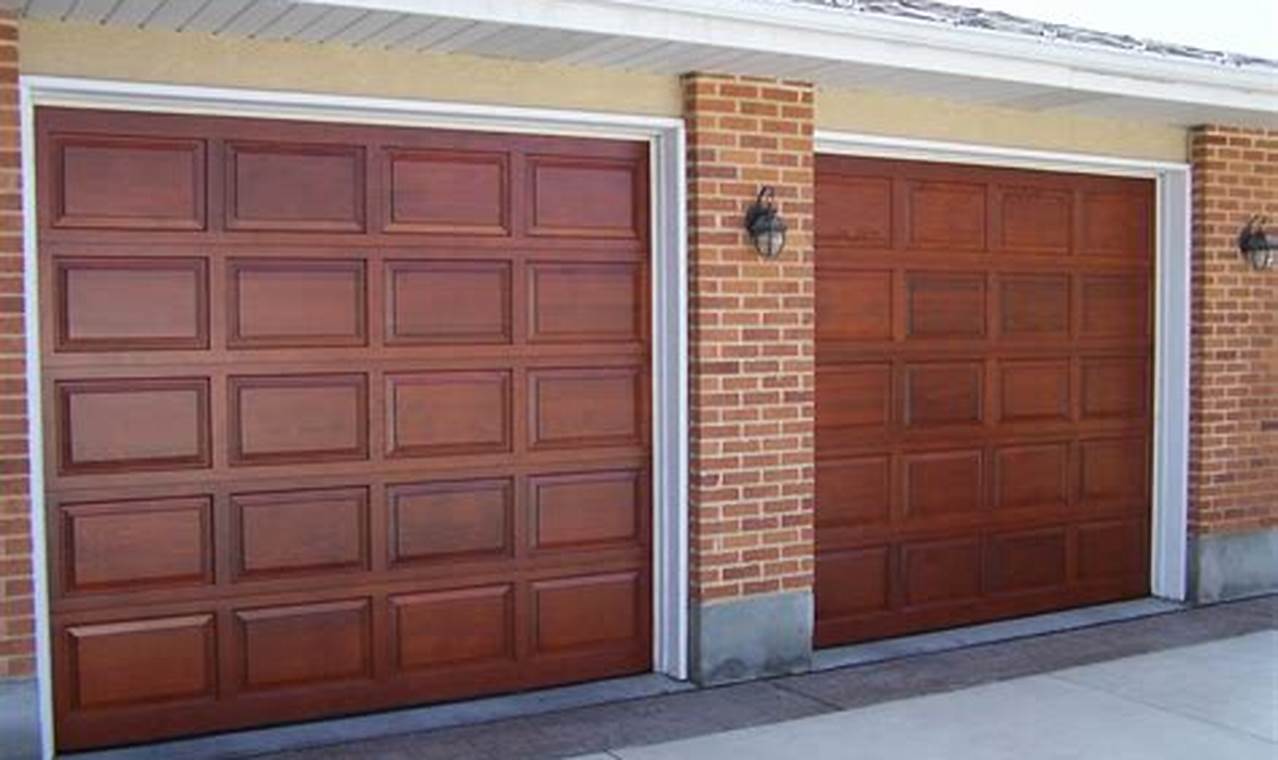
1172 265
665 138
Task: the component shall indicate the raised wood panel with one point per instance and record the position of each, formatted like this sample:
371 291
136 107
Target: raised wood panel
585 509
853 491
941 572
1035 219
942 483
855 211
590 611
1114 469
944 394
1115 224
584 197
1032 475
852 397
294 187
165 188
1115 387
447 192
448 302
1109 550
130 304
1025 561
1115 306
448 519
948 215
585 407
853 582
295 303
142 662
450 628
303 645
585 301
1034 306
944 305
292 532
278 419
854 305
1034 390
129 545
448 413
133 425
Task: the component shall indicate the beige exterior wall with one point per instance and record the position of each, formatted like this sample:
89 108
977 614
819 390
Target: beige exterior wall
151 56
881 113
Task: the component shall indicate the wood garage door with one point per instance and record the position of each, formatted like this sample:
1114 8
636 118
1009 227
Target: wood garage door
337 417
983 393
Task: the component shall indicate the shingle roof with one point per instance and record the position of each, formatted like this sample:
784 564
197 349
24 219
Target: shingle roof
977 18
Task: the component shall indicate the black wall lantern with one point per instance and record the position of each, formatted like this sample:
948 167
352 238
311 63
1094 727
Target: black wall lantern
1256 246
765 225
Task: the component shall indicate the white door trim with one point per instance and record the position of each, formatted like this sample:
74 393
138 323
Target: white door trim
1169 524
665 137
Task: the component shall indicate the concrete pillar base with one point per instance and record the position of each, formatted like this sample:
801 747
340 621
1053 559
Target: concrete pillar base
753 637
1233 565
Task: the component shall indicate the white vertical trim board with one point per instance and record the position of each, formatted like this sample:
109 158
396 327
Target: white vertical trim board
1169 524
665 137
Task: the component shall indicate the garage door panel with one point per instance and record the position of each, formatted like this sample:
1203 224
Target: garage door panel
130 304
449 192
448 302
142 662
300 645
134 424
387 460
278 419
131 544
300 532
432 414
166 190
294 187
438 520
295 303
1034 306
1000 357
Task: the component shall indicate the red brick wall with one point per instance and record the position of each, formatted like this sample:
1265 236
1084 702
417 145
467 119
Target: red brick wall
17 646
1233 462
751 353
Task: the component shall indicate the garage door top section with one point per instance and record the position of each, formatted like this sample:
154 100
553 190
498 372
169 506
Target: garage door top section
984 349
339 417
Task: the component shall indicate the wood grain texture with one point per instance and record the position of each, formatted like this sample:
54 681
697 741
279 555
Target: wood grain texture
983 391
342 418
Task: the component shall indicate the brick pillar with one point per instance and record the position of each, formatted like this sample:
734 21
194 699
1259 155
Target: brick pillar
17 623
752 378
1233 461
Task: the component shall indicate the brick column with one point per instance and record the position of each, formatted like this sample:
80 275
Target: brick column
752 377
17 639
1233 461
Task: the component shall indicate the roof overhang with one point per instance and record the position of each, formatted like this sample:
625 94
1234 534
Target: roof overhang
828 46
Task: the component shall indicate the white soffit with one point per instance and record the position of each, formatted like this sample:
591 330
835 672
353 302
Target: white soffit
829 46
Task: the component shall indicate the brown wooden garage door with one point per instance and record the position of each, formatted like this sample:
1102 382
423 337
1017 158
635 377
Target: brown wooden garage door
983 393
337 417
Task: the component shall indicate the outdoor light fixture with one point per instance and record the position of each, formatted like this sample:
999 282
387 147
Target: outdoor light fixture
1255 246
765 225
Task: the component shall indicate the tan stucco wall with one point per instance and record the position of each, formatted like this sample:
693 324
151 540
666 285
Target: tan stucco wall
882 113
131 54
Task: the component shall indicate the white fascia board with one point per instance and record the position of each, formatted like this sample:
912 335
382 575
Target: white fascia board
774 27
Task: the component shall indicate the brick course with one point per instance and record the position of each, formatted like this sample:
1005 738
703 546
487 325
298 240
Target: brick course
1233 462
17 646
751 345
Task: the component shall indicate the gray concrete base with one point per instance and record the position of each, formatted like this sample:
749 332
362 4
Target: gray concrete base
19 720
1233 565
742 639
